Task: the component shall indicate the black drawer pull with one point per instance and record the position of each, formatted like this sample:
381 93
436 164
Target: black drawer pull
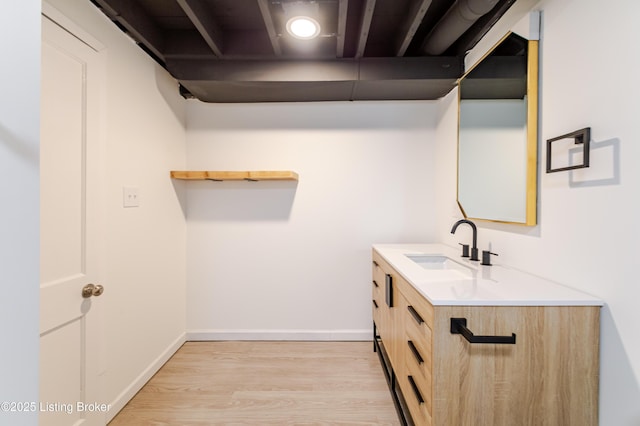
459 326
375 283
415 314
375 304
415 352
388 290
416 390
375 264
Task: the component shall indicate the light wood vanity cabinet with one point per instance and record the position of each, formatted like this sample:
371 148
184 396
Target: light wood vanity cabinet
549 376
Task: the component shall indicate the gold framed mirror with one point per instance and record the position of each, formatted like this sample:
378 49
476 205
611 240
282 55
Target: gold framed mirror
498 134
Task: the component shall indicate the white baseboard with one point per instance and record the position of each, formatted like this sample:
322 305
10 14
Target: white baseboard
308 335
125 396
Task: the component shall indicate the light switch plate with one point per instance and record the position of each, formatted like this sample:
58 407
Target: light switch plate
130 197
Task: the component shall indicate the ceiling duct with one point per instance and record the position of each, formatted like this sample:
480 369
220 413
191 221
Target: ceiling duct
458 19
408 78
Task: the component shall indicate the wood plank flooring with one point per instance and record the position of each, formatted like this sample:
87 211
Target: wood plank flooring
265 383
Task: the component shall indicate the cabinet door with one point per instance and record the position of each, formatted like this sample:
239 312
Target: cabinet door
550 375
398 341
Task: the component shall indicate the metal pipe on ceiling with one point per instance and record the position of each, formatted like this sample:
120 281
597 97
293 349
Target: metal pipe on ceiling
454 23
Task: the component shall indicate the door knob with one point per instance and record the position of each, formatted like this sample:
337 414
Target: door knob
92 290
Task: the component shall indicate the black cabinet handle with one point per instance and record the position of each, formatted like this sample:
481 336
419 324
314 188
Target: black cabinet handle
415 315
459 326
375 263
375 283
375 304
388 287
415 352
416 391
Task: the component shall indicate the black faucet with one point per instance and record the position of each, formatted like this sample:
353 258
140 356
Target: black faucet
474 248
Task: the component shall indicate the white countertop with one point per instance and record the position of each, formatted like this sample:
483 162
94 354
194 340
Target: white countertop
495 285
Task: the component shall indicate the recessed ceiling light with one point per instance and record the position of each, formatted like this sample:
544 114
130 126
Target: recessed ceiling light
303 27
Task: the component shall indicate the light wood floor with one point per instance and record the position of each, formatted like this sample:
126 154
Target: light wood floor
265 383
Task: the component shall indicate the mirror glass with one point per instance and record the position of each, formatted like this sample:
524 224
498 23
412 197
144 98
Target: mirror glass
497 134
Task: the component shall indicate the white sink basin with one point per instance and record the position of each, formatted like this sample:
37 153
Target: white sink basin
438 262
434 261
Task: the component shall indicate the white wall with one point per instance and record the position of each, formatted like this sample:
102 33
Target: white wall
19 216
588 232
144 138
286 260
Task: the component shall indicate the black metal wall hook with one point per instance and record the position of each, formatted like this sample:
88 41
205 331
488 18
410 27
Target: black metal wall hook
459 326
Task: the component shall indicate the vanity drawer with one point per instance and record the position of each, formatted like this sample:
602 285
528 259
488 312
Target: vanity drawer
378 269
376 313
421 311
417 395
422 386
377 291
419 351
384 278
418 332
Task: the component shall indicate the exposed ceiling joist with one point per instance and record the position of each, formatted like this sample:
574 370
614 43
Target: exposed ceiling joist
412 22
365 25
204 23
342 27
133 18
271 30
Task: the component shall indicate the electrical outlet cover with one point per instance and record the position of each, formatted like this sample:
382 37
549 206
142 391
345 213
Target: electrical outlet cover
130 197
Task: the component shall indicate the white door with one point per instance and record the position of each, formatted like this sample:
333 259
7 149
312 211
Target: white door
69 216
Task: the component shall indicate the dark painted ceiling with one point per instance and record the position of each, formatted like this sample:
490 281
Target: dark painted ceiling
240 51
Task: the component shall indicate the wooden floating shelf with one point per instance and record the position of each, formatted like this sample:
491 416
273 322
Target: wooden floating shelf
222 175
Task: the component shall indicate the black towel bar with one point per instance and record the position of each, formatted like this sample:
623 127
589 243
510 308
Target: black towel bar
459 326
